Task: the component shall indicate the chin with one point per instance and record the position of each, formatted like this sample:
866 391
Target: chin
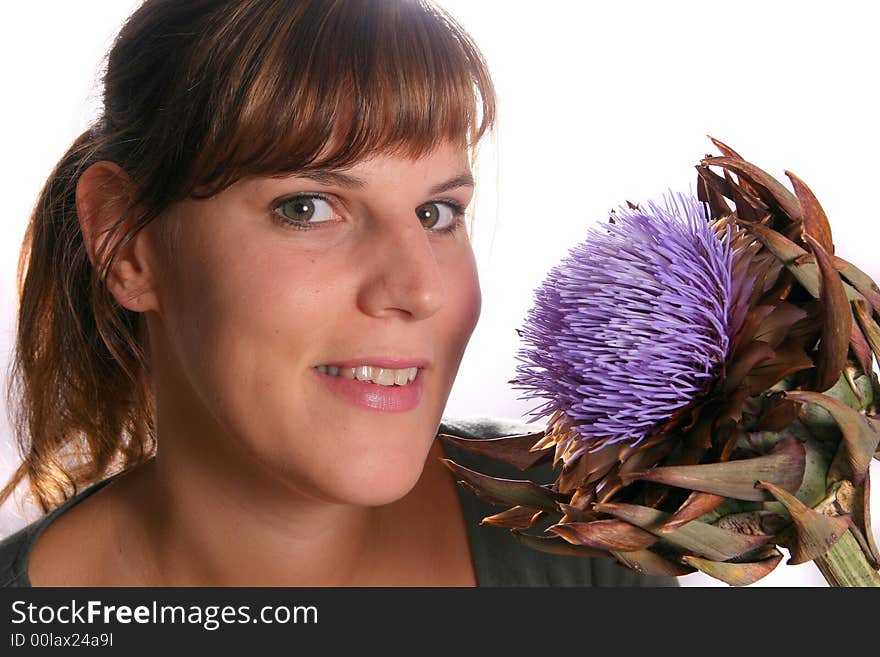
380 481
362 469
385 492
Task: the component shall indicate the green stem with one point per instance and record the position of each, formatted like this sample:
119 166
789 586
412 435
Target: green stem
845 564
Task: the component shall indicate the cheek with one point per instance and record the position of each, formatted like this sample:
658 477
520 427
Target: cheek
261 314
244 332
463 306
240 322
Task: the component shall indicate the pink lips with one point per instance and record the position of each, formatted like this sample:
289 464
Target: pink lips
366 394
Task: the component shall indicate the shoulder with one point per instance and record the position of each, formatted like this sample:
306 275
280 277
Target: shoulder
15 551
500 560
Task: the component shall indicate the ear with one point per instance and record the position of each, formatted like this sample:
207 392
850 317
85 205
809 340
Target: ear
104 194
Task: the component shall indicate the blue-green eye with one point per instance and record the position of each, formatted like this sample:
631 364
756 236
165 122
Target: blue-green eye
439 216
304 209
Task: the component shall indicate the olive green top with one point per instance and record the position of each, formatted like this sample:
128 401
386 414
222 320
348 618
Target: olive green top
499 560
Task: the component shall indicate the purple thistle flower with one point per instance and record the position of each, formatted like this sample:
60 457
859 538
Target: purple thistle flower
633 324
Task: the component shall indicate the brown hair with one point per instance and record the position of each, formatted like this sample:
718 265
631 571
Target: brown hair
197 95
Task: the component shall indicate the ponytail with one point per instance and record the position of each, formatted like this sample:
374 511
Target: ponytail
77 397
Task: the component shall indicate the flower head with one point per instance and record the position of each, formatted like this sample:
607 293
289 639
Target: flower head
707 370
633 324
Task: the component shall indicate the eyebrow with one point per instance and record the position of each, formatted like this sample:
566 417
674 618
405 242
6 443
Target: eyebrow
464 179
331 177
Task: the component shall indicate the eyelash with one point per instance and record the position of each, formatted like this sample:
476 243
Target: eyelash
457 209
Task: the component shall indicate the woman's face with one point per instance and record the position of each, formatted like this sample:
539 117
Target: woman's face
274 278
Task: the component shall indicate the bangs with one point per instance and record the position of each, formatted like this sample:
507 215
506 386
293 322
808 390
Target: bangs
318 84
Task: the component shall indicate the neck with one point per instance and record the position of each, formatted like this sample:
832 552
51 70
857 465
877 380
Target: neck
209 515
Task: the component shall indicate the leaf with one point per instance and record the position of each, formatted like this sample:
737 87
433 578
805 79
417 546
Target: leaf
861 517
758 521
695 537
814 487
843 392
784 466
779 281
775 325
772 191
575 514
753 322
729 152
576 475
816 533
519 517
510 449
646 455
750 356
859 280
855 275
790 254
511 492
605 535
836 321
710 193
731 409
589 467
724 148
555 545
815 221
609 486
787 359
651 563
748 206
860 347
860 438
695 506
798 261
778 414
738 574
869 328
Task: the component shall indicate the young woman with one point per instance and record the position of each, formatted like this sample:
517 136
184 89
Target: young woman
246 292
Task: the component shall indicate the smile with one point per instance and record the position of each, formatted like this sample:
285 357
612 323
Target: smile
382 376
365 386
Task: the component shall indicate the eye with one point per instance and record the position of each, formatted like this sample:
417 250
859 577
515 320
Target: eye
438 215
304 209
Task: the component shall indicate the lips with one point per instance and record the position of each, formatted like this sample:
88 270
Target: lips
373 396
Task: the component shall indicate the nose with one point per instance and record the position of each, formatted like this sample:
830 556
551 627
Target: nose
401 273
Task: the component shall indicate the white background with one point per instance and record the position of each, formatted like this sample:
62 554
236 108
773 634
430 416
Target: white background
599 103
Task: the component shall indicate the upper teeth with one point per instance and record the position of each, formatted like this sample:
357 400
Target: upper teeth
381 375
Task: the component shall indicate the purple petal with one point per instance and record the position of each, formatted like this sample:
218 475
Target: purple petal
633 324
